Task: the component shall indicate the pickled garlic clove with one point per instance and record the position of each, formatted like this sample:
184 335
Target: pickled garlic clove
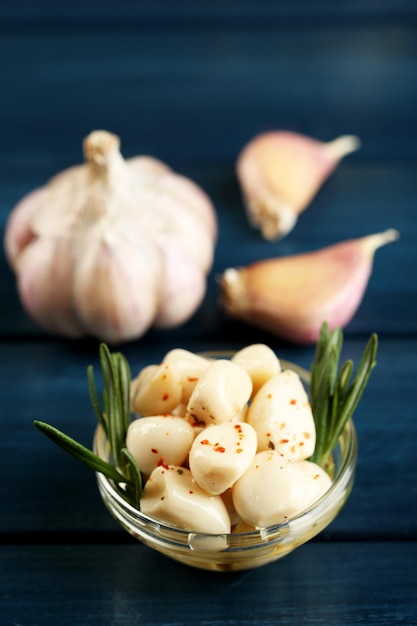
221 393
271 491
280 172
220 454
292 296
171 495
318 481
282 417
261 363
159 440
156 390
190 367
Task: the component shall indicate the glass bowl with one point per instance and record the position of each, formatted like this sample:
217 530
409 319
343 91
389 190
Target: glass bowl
235 551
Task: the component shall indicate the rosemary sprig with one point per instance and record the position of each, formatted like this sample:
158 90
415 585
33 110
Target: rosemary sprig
334 397
79 451
113 413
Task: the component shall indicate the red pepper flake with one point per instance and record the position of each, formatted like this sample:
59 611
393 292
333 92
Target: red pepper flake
284 441
165 397
293 401
191 492
162 464
268 434
205 442
238 427
219 449
192 379
154 451
301 443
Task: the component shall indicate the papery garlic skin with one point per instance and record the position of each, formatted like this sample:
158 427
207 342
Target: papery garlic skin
220 454
282 417
271 491
292 296
280 172
159 440
112 247
171 495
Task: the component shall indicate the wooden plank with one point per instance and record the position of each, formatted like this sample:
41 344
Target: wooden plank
55 493
230 9
340 584
201 95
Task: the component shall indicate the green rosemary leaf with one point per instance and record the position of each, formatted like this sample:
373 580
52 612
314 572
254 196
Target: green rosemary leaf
124 386
354 394
333 400
134 475
321 403
115 430
95 399
80 452
336 401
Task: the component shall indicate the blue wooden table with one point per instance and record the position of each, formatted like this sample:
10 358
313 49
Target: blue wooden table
191 83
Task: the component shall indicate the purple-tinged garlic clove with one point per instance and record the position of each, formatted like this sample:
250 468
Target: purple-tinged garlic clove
292 296
280 172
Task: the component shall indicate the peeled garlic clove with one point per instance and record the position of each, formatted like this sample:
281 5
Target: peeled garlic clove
271 491
139 242
318 481
171 495
157 390
282 417
292 296
159 440
280 172
190 367
260 362
220 455
221 393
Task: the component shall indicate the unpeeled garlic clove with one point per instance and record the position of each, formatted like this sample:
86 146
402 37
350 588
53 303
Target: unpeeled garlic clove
280 172
292 296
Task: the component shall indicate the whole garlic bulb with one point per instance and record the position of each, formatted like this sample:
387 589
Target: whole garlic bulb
111 247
